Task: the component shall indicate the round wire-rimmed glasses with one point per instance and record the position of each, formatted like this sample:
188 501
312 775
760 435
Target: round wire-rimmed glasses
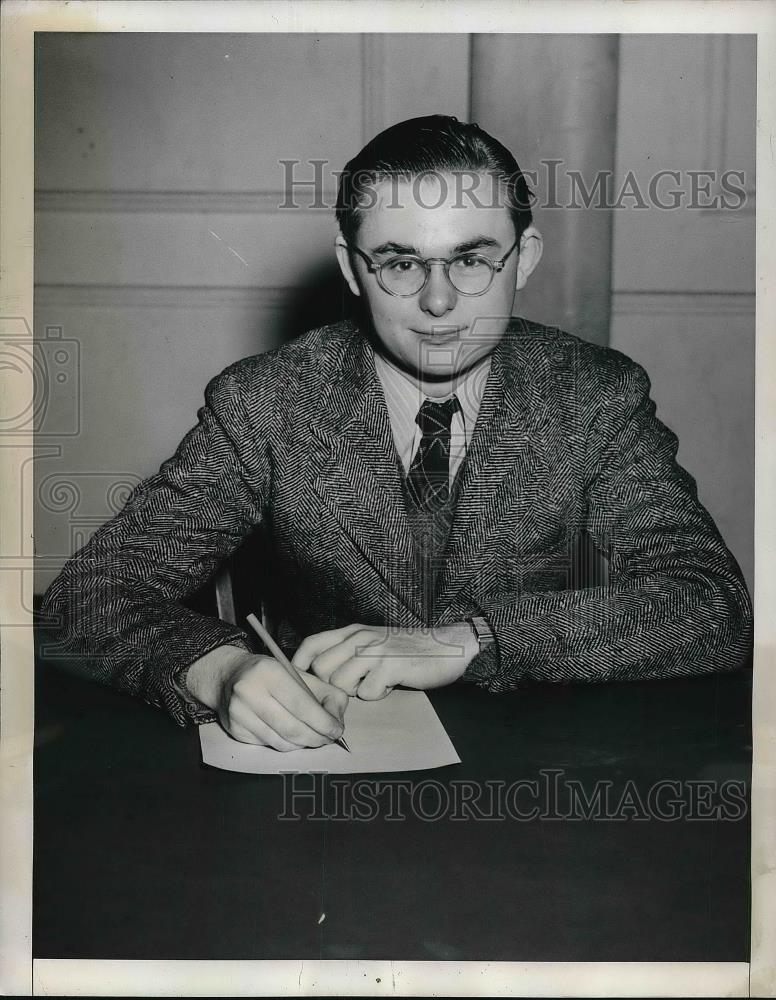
407 274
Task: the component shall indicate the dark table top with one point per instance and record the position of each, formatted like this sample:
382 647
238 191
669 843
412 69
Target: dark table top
141 852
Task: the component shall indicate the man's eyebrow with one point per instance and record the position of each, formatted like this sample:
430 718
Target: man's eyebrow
392 247
476 243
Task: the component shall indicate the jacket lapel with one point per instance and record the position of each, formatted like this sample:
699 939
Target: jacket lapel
354 469
502 461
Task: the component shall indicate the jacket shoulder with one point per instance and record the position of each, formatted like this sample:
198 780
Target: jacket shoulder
564 359
312 357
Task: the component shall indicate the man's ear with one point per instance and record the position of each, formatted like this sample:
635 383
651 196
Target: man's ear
531 247
343 259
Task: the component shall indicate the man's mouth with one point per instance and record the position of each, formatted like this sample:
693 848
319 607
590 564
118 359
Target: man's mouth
441 333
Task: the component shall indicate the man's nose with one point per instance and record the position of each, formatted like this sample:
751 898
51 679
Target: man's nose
438 297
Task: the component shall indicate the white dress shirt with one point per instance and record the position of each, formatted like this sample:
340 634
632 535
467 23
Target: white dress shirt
404 400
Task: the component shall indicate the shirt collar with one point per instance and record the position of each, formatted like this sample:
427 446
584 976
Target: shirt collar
404 398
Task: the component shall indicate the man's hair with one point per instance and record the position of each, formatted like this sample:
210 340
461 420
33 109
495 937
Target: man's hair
433 144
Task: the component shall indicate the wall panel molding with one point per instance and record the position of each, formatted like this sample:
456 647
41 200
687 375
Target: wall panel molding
187 249
718 154
717 75
372 86
554 97
683 303
160 297
160 202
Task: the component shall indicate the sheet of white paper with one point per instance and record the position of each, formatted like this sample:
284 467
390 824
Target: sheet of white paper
399 733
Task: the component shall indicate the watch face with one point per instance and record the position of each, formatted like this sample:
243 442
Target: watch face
482 630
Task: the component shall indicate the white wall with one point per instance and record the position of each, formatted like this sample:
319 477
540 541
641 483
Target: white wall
684 280
161 255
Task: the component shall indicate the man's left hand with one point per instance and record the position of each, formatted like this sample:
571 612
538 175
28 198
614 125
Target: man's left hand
368 661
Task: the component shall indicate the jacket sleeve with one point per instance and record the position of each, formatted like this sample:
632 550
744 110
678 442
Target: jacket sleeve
116 605
675 602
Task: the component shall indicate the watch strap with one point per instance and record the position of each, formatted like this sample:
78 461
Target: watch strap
482 631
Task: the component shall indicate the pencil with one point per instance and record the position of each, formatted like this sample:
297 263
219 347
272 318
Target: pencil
283 660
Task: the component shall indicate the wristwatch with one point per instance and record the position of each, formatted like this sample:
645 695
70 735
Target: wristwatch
192 705
482 631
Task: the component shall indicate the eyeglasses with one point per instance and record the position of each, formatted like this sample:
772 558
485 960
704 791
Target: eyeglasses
407 274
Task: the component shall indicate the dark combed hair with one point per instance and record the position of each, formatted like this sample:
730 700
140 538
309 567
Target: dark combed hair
435 143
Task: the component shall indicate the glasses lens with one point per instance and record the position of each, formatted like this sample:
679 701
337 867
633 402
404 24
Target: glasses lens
403 275
471 273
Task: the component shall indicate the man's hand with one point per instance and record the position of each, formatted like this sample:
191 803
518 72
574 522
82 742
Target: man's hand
369 661
257 702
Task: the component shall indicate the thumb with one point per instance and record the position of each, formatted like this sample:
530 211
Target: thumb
335 701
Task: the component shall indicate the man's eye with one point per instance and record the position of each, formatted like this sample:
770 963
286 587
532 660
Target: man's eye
403 265
469 262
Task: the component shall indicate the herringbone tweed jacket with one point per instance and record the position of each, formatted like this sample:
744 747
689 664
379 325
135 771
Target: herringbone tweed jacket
299 440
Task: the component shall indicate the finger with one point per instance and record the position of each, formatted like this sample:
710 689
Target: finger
286 705
333 700
336 703
356 644
315 644
352 672
374 686
246 727
287 724
241 734
310 718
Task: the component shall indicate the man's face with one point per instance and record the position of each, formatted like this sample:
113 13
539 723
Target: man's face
439 332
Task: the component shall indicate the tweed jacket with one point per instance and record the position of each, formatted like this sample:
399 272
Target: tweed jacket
298 440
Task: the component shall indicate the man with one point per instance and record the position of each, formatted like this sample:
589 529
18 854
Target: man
422 476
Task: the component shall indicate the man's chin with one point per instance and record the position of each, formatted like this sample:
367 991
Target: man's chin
438 374
437 363
448 364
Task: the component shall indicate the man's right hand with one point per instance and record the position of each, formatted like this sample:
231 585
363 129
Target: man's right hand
257 702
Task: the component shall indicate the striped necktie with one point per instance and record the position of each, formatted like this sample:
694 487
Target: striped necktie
428 480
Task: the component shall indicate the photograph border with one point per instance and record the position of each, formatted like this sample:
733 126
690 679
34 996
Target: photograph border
19 973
